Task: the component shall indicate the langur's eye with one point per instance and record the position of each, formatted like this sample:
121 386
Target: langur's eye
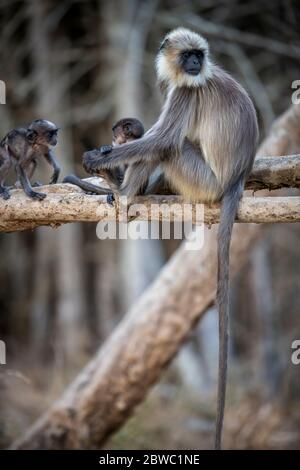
51 133
186 55
127 128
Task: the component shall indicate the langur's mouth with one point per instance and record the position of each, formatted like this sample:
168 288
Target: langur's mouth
193 72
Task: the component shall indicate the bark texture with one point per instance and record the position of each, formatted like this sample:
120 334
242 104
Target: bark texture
67 203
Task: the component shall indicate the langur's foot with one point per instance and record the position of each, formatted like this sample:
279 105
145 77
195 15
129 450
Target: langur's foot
110 199
4 193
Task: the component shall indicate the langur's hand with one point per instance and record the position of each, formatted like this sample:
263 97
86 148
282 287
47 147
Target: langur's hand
90 161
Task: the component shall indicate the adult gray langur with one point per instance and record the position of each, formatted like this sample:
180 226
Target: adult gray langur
204 141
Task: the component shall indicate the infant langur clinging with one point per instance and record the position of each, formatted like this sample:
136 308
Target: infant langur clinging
125 130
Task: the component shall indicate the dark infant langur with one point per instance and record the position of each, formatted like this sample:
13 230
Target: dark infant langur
124 131
22 147
204 141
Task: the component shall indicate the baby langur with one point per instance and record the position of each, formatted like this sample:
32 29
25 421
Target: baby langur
204 141
22 147
124 131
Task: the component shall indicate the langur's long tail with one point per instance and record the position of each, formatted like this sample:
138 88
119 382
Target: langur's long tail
229 207
85 185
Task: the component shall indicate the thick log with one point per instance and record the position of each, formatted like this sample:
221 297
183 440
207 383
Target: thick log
135 355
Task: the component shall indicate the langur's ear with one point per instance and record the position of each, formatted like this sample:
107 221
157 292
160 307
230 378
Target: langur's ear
31 136
164 44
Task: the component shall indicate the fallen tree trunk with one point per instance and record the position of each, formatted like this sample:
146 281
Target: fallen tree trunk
67 203
136 353
134 356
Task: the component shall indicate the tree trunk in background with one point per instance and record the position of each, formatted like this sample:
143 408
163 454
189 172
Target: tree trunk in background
59 246
140 260
284 255
106 288
197 358
45 238
14 268
265 306
72 340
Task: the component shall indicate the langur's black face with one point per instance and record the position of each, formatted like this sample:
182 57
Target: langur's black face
126 130
51 137
123 133
42 132
191 61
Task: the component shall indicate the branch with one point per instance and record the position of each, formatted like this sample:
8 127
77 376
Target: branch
66 203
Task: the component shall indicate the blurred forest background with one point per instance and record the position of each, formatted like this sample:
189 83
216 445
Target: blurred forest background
84 64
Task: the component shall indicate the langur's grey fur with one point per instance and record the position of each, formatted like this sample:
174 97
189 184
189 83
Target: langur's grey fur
21 148
204 140
125 130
